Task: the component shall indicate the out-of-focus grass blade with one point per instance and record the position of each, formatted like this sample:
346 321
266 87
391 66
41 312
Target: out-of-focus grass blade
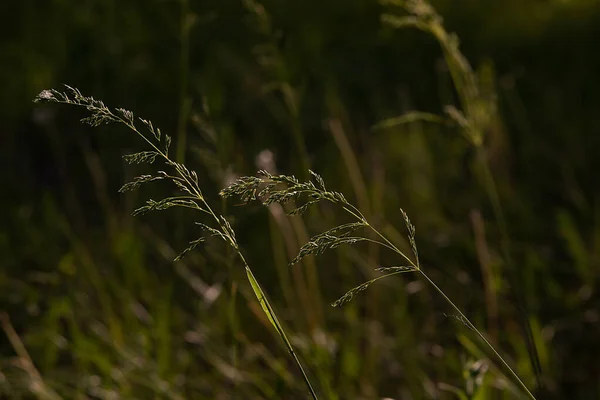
414 116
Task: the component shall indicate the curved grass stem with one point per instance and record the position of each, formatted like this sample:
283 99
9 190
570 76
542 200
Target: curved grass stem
470 325
184 179
388 244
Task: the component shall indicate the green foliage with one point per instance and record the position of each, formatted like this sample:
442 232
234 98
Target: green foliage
281 189
489 144
185 180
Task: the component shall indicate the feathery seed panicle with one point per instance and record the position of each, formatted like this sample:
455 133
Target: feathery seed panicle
283 188
185 181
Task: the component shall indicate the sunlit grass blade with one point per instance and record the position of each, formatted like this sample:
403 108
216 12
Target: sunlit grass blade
268 310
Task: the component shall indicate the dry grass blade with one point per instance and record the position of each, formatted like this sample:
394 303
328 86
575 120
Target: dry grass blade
36 384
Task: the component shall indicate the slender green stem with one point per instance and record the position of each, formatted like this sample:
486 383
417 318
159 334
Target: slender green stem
233 243
275 322
358 215
470 325
379 243
353 211
396 249
192 187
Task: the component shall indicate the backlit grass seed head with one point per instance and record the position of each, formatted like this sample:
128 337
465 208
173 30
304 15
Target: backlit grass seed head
411 236
282 189
187 182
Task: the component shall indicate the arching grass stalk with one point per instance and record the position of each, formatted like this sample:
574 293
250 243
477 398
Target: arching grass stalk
283 188
185 180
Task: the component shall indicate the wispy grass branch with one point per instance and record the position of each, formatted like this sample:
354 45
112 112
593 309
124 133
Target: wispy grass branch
283 188
185 181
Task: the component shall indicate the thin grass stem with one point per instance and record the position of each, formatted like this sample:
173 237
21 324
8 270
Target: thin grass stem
470 325
186 181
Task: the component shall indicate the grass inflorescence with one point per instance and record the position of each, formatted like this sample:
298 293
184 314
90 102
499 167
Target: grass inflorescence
284 188
473 117
185 181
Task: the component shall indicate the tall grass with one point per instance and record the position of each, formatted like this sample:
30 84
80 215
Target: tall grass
300 286
185 181
282 189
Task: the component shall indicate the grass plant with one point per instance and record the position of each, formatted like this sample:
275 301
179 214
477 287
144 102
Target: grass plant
282 189
185 181
474 116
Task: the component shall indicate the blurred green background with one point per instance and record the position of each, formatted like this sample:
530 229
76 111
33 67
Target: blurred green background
101 310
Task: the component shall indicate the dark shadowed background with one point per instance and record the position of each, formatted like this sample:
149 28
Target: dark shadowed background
102 311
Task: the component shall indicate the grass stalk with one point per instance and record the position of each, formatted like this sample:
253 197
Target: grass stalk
283 188
463 317
184 179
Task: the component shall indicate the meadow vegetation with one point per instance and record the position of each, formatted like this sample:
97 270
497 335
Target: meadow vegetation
356 115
